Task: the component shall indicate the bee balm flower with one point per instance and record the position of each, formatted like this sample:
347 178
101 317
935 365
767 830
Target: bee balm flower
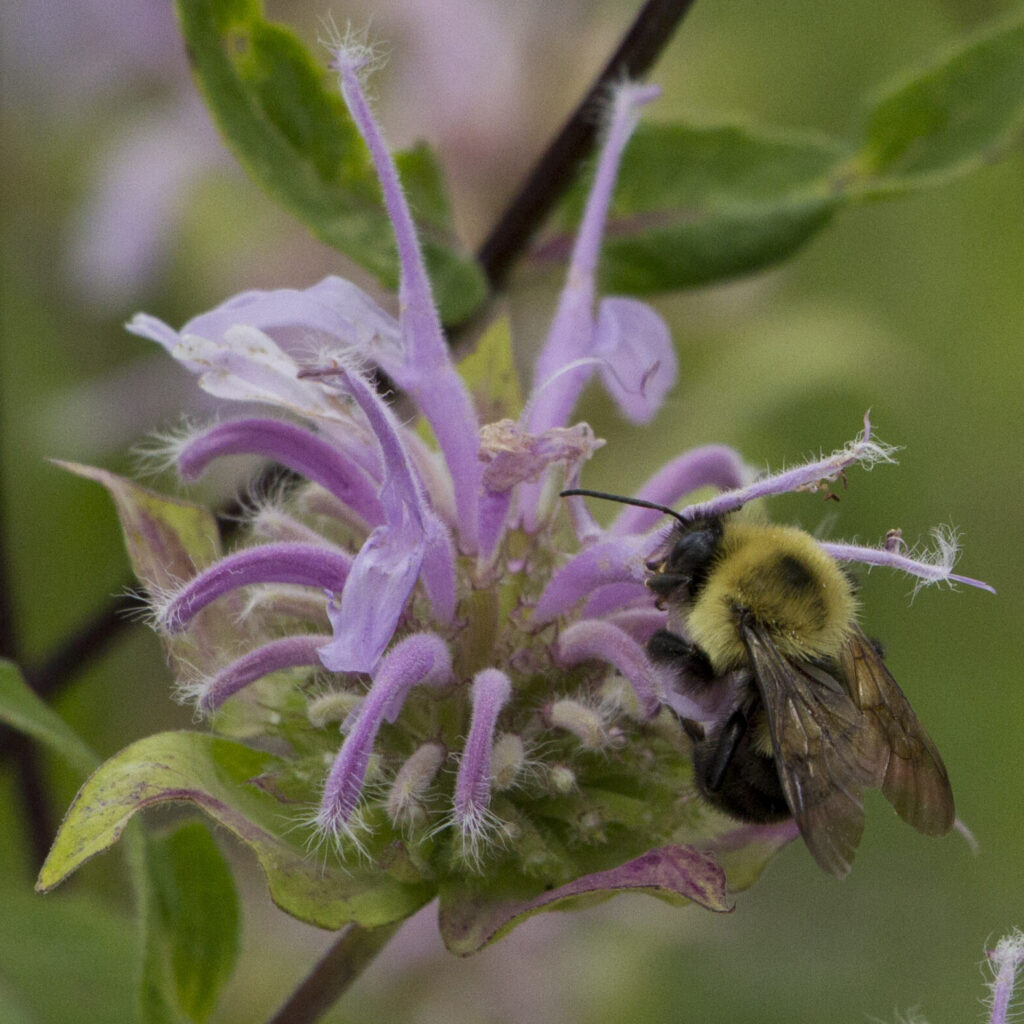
504 736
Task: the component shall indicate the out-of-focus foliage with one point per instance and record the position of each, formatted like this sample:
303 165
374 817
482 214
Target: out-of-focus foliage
293 135
914 307
699 204
199 912
22 709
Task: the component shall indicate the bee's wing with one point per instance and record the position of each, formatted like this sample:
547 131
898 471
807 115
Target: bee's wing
912 776
824 755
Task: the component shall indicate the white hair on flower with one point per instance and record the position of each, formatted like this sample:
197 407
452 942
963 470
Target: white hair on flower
927 565
159 452
1006 960
864 451
351 48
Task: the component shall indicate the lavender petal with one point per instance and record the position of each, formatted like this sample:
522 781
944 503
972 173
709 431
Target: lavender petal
591 639
293 446
427 372
288 652
713 465
306 564
332 312
389 563
809 476
571 336
422 658
638 360
490 693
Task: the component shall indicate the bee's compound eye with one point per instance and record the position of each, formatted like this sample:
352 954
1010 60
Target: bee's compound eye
692 556
694 548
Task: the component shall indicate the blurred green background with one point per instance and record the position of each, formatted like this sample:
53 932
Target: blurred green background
117 197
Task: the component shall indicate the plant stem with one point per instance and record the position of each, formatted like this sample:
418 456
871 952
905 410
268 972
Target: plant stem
29 780
554 171
345 961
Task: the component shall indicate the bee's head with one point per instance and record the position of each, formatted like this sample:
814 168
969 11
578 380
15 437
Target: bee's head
681 570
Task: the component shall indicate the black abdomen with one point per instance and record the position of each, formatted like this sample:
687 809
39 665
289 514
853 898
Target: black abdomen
749 788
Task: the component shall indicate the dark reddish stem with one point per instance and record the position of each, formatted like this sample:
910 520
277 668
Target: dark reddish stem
554 171
23 753
333 975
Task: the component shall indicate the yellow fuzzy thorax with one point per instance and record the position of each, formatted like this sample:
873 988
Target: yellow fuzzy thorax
780 577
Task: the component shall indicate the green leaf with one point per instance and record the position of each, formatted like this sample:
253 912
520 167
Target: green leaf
470 920
218 776
296 139
423 181
168 540
199 915
694 205
155 995
745 851
490 374
700 204
23 709
964 111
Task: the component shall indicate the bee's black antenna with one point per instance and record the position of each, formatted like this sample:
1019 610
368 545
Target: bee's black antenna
638 502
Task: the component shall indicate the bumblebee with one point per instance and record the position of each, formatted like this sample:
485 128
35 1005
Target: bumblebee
814 717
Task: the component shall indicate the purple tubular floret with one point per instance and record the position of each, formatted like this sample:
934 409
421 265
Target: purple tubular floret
309 565
292 446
